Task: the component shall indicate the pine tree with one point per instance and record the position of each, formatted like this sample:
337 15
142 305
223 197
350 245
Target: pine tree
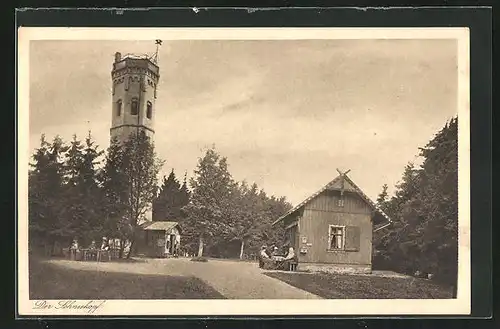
167 204
73 207
39 197
184 196
90 189
46 182
114 182
82 206
438 231
382 198
425 212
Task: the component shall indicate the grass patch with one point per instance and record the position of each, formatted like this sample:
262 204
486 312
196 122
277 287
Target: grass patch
336 286
49 281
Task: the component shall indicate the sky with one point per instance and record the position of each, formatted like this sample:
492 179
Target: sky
285 113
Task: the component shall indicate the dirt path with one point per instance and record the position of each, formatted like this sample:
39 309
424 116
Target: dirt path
233 279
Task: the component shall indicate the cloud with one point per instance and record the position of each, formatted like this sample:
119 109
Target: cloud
285 113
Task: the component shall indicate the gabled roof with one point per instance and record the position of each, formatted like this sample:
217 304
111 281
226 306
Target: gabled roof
340 182
159 226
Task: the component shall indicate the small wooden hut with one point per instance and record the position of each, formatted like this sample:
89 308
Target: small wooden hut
160 239
332 229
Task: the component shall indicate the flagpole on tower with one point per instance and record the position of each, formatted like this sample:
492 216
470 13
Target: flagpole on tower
158 44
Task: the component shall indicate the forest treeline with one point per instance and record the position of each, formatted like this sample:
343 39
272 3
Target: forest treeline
424 208
77 190
220 216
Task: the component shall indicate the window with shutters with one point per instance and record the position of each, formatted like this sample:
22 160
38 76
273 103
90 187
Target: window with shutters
352 238
336 239
134 106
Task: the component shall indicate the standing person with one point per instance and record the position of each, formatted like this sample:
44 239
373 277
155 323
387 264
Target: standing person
263 256
74 249
105 244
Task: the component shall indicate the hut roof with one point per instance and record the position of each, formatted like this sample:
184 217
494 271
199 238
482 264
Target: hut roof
340 182
159 226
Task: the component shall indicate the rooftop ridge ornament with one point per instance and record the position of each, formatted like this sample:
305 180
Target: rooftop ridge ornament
342 180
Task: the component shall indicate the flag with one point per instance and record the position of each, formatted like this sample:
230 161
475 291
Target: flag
158 42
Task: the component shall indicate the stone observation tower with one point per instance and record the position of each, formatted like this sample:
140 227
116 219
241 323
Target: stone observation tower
135 79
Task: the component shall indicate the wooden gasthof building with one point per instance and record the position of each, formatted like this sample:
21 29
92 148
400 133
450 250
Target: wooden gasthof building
332 229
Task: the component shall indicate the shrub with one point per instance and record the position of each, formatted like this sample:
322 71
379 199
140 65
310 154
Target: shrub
199 259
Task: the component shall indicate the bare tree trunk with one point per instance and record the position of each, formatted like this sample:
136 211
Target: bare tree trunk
200 246
242 248
132 244
122 247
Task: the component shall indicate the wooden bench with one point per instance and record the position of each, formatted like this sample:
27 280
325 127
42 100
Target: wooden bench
75 254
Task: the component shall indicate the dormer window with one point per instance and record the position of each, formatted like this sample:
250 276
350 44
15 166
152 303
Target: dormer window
119 108
149 110
134 106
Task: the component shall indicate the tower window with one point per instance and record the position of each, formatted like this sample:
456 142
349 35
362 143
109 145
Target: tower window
134 106
149 110
119 107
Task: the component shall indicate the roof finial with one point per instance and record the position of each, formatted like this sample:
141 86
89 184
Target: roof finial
342 180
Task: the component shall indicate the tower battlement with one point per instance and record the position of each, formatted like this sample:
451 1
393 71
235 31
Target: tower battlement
135 80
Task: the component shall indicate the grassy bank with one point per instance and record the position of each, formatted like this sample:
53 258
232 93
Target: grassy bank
364 287
48 281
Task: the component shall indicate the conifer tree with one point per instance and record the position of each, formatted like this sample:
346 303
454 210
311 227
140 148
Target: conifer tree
382 198
184 196
46 195
167 204
114 182
424 235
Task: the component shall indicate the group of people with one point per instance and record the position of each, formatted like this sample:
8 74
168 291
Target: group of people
272 259
104 245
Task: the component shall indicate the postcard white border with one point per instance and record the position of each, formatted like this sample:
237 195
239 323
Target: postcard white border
375 307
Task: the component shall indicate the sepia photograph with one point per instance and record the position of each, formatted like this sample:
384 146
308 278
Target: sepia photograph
243 171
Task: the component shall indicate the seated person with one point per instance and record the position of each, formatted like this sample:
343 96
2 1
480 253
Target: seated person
291 257
92 245
264 260
74 245
92 251
275 252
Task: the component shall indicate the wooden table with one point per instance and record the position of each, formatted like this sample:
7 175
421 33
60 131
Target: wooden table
89 254
103 255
